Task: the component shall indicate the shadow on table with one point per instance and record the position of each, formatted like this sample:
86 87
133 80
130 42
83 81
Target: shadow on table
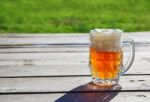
90 93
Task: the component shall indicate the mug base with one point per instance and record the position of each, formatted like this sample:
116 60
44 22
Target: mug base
105 82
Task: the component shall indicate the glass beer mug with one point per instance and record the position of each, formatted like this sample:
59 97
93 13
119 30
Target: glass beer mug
106 56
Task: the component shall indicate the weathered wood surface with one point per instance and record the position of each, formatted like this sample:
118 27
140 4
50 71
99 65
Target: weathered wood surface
58 48
61 70
67 84
55 64
44 68
78 97
141 37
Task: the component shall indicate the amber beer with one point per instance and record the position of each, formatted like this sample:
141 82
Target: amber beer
106 56
105 64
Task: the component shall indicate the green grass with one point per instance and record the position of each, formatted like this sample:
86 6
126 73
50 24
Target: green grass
73 15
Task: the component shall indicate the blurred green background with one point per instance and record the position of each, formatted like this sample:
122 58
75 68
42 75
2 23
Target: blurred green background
27 16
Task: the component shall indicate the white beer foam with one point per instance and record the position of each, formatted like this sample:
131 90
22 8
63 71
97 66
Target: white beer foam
106 39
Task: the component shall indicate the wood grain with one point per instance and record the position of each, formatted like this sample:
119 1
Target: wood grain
22 35
62 38
44 68
47 64
92 97
63 70
50 70
58 58
65 84
43 49
57 48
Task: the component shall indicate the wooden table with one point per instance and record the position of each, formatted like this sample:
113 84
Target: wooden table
54 68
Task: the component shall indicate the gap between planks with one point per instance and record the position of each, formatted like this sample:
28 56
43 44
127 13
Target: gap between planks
68 84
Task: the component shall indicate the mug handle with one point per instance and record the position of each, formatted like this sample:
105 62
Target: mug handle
130 60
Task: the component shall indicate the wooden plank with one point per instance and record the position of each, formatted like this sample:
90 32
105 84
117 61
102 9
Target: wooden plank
58 48
11 70
28 62
58 38
24 35
61 34
44 40
44 56
61 66
58 58
51 70
45 49
79 97
66 84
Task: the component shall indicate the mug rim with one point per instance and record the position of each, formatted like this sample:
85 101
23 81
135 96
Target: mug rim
106 31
